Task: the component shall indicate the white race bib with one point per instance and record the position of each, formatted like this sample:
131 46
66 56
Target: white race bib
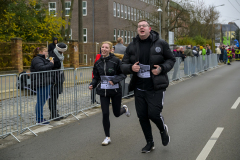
144 71
105 83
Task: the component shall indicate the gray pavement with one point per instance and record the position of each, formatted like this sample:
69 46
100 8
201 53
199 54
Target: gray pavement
193 110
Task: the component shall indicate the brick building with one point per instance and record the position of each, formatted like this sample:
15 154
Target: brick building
107 19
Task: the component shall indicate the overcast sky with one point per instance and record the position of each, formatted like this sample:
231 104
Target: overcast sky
227 12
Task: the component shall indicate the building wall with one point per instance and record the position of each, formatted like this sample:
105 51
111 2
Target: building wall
105 22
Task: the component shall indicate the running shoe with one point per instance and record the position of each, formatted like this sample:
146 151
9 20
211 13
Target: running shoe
106 141
148 148
165 137
127 111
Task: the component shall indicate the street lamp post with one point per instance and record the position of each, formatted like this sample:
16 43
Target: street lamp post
212 23
160 11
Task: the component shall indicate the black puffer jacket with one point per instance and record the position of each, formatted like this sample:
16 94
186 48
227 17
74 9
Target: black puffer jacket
39 63
160 54
108 66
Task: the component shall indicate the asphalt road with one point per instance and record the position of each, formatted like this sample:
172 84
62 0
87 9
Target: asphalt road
197 111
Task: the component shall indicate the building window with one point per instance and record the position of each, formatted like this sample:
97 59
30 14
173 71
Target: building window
128 37
114 35
84 4
114 9
125 39
52 8
129 10
67 8
85 59
70 33
84 35
125 12
140 14
122 34
131 35
132 14
118 10
135 14
122 10
135 34
119 33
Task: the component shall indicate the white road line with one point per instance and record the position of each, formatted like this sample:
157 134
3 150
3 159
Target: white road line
208 147
236 103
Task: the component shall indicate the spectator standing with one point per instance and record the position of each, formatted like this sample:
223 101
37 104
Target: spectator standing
57 87
52 46
106 80
188 52
41 81
119 47
149 59
218 53
225 57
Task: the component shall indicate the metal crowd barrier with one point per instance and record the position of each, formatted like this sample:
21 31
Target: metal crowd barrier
19 110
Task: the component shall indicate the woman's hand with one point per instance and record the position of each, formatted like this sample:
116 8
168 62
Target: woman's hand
111 83
90 87
52 61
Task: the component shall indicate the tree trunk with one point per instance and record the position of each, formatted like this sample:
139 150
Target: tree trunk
164 20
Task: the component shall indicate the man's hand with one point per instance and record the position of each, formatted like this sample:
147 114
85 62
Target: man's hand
136 67
111 83
90 87
157 71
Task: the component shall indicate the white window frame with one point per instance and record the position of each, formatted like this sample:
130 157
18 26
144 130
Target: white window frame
122 11
118 10
67 9
129 14
119 33
114 34
129 37
52 9
84 35
122 34
135 14
114 9
126 12
84 8
125 39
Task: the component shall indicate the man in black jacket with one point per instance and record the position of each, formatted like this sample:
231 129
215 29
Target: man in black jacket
52 46
149 59
58 79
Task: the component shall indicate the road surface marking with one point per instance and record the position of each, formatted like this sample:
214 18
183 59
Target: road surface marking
208 147
236 103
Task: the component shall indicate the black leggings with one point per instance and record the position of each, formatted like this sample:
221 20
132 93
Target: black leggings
117 110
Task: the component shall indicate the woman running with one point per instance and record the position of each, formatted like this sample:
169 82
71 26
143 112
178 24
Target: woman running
107 77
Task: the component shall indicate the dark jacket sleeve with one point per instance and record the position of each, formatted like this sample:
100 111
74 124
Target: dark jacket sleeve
169 59
51 47
39 65
96 77
57 63
126 66
119 76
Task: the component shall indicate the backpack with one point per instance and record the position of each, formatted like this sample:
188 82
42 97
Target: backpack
24 83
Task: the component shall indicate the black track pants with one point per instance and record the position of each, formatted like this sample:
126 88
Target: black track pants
149 105
116 107
53 101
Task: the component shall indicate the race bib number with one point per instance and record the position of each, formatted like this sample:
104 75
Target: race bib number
144 71
105 83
